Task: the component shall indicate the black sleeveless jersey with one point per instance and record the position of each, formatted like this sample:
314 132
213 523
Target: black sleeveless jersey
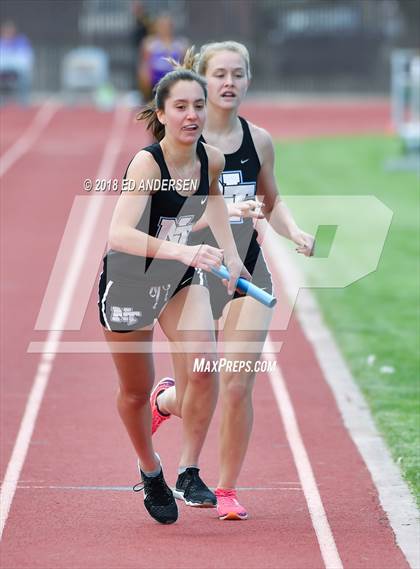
168 216
237 182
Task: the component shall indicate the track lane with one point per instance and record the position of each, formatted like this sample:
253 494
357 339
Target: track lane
30 235
359 525
29 137
13 122
74 525
79 441
308 119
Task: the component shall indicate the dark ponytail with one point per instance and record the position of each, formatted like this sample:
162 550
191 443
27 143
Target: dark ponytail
153 124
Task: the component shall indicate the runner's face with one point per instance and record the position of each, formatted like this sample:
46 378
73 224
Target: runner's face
227 81
185 112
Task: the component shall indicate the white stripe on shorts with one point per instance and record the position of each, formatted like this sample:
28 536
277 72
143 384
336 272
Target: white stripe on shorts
200 274
108 286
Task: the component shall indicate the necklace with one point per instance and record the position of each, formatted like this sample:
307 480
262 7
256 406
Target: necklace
188 172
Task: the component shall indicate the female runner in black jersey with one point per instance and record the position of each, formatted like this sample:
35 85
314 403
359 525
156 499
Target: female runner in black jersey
248 176
151 273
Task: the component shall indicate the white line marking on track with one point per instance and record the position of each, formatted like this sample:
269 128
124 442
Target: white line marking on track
29 137
130 488
394 494
316 509
43 373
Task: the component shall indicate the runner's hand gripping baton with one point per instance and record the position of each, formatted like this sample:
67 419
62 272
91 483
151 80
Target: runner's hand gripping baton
247 287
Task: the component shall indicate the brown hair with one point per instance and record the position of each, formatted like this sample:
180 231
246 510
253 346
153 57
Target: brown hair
182 72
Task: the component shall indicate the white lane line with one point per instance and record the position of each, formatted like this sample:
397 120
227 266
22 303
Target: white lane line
316 509
30 135
130 488
20 449
394 494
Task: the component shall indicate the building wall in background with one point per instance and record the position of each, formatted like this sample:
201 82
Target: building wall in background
295 45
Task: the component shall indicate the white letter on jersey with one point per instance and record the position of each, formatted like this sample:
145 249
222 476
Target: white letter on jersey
234 190
175 229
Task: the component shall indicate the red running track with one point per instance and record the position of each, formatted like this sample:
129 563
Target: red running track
73 506
14 121
306 119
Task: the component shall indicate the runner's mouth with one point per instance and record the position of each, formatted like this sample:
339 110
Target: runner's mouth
190 127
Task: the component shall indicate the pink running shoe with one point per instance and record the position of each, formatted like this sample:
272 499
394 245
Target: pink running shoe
228 507
157 417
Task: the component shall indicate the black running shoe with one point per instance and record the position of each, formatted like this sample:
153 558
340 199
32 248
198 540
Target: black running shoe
158 498
191 489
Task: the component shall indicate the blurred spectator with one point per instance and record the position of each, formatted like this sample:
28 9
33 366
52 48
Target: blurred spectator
141 29
156 48
16 63
142 23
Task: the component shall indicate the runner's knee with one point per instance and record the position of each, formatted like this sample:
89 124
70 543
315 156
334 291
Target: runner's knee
135 399
236 388
201 375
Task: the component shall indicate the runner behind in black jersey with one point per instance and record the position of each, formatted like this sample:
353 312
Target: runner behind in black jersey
250 191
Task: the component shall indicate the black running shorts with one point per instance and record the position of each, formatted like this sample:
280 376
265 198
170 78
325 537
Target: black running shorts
127 305
261 277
